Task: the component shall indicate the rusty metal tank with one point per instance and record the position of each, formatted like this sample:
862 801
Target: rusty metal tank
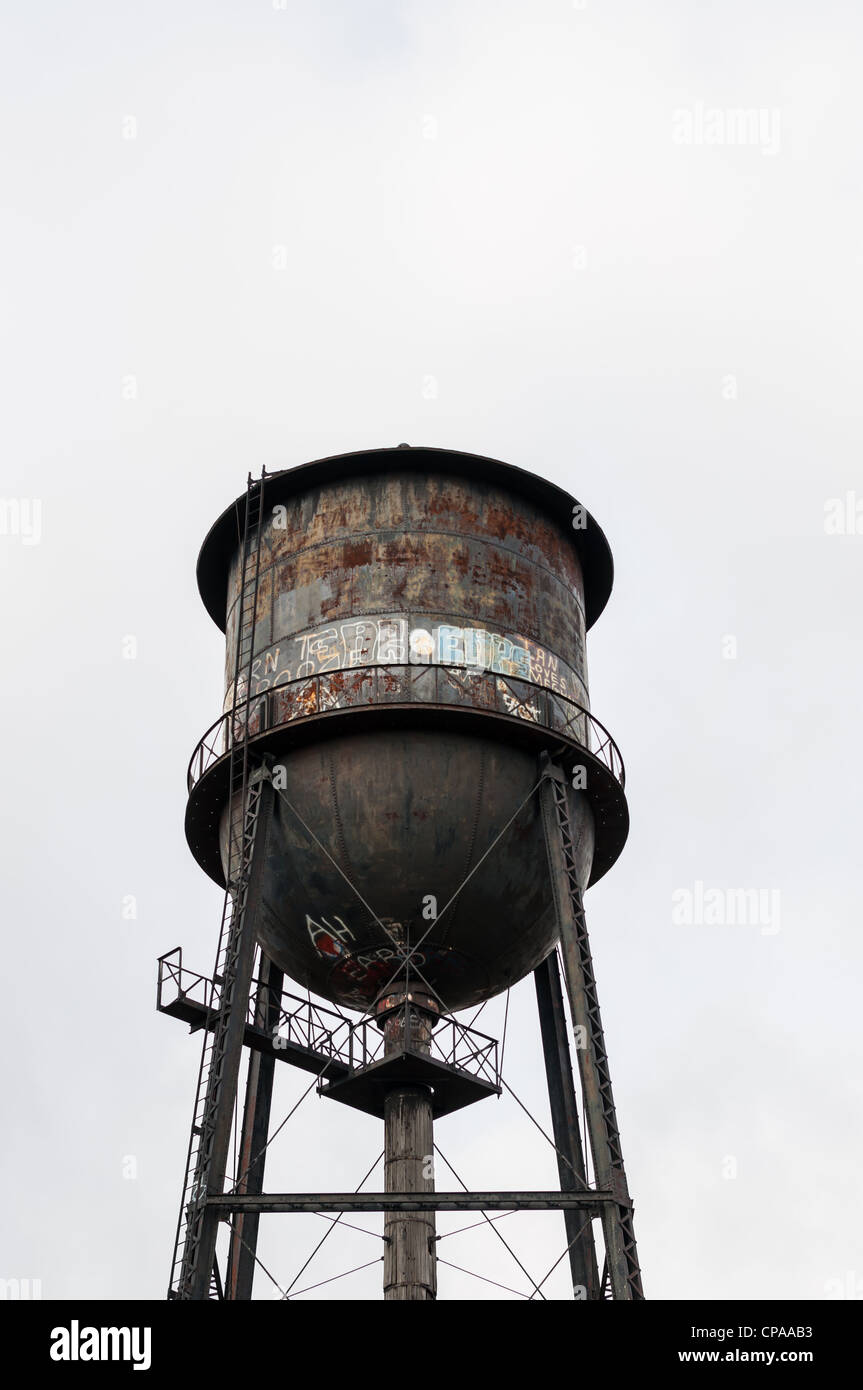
419 645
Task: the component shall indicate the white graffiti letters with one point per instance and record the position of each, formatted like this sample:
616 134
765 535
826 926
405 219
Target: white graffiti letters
399 641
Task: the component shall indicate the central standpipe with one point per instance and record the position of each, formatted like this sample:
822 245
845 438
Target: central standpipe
410 1264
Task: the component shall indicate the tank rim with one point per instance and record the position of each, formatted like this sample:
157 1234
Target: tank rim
590 542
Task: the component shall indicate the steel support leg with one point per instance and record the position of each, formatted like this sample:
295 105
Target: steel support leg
564 1119
603 1132
255 1131
228 1047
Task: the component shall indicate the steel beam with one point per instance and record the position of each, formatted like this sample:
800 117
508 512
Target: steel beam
222 1088
564 1120
617 1224
198 1016
592 1201
253 1144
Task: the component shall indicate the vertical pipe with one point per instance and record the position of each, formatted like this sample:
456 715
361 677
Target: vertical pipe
410 1264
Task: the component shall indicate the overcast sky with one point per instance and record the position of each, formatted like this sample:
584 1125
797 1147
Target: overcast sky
243 235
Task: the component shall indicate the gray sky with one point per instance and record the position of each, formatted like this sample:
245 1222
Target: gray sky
238 236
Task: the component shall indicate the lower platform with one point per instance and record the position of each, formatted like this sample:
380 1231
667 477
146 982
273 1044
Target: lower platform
451 1087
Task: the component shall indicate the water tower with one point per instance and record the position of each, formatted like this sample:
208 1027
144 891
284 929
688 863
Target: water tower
404 798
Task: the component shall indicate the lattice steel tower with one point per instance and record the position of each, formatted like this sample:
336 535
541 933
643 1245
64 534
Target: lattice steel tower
404 800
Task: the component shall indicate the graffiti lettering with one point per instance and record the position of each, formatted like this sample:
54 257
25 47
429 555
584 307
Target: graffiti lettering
396 640
518 707
328 940
319 653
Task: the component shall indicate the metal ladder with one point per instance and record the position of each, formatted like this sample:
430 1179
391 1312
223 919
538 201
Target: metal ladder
205 1162
622 1271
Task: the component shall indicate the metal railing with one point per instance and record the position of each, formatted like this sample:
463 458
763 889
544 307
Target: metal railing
356 1043
451 1042
301 1022
455 687
183 983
